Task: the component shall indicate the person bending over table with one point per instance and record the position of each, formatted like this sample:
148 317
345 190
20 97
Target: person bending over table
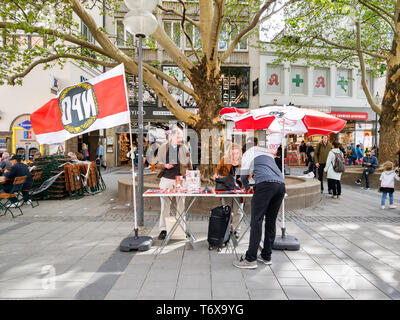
230 166
18 169
173 159
269 191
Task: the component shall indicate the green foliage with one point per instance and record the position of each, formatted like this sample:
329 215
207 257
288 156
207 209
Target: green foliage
309 21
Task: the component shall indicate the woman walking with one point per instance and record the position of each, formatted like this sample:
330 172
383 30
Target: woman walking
334 168
387 184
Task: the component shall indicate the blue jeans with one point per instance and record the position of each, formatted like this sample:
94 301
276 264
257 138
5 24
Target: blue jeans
384 198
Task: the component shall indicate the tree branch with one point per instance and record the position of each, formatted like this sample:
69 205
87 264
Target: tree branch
184 29
253 23
382 15
55 57
195 23
375 55
216 25
67 37
379 10
363 71
206 15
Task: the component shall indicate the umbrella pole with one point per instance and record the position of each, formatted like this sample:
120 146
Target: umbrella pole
284 242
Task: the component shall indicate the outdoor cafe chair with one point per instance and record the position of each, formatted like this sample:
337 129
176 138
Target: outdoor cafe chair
15 193
36 185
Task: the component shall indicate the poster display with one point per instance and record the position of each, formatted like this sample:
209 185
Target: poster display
235 86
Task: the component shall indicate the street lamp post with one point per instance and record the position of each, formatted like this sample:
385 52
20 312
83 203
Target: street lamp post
377 101
140 22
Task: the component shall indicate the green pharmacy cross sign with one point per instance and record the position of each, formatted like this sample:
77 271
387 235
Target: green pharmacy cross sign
342 83
297 80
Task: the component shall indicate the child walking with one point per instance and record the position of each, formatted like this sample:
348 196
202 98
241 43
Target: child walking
387 183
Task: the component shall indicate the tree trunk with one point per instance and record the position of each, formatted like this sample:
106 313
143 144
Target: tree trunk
389 143
209 127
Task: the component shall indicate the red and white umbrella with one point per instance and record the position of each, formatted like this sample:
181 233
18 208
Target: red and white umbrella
295 120
286 119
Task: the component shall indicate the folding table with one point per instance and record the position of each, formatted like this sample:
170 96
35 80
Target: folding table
182 215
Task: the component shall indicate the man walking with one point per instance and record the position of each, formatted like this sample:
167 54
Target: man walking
173 159
309 149
321 154
269 191
99 155
370 163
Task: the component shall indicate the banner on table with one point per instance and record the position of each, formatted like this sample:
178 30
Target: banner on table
99 103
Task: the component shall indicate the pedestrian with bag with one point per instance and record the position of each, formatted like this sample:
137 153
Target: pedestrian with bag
369 163
351 155
335 166
320 156
387 184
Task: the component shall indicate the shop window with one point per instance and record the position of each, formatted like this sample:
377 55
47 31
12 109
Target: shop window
149 96
180 96
234 86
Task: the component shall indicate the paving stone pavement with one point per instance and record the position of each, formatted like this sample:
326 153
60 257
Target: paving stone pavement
69 249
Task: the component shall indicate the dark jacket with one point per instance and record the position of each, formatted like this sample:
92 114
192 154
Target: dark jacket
372 160
309 150
19 170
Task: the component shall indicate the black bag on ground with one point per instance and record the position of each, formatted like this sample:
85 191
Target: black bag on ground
219 227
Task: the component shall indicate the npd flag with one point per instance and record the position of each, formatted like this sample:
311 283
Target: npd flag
99 103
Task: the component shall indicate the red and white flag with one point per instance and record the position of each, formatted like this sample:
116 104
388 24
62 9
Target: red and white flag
99 103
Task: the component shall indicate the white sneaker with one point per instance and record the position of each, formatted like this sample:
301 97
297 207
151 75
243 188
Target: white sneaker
382 207
392 206
29 202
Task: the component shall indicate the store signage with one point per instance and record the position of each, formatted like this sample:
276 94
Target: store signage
26 125
152 113
350 115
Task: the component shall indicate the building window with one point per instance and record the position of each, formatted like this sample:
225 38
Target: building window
194 35
124 38
321 82
274 79
298 80
228 35
360 91
343 83
173 30
86 33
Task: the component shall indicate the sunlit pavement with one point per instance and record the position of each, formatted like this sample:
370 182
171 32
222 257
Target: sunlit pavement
68 249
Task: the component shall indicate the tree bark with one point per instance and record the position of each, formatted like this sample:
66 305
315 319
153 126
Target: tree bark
389 141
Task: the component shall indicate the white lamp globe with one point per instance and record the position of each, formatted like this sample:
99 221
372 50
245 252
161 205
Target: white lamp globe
148 5
140 22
